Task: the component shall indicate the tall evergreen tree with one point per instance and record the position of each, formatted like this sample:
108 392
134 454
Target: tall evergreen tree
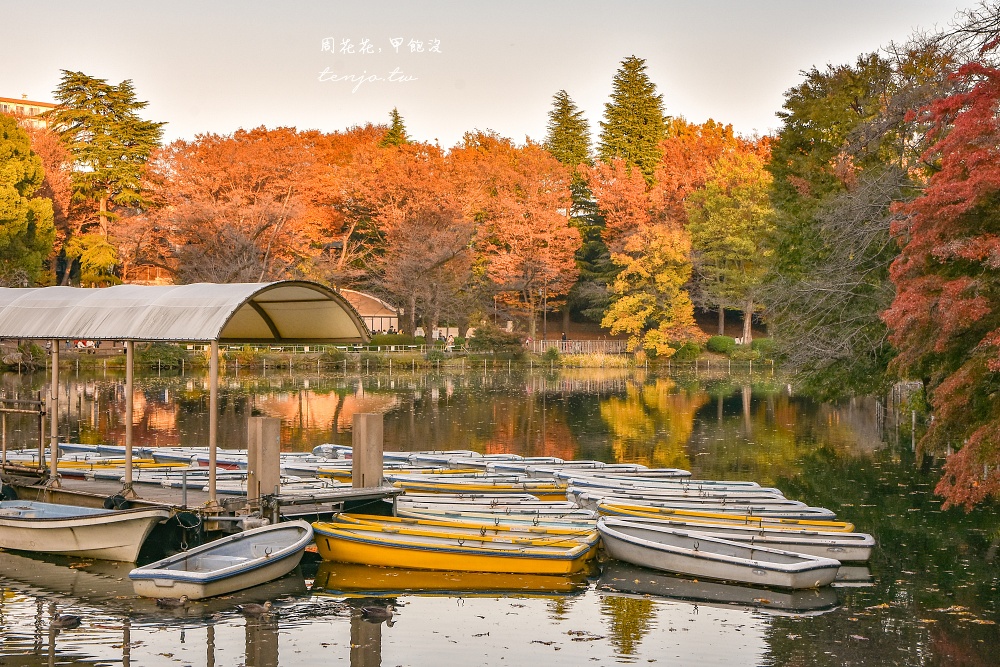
568 137
396 134
568 140
26 229
634 124
109 142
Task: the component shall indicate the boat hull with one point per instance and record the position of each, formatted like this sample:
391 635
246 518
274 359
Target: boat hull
366 549
700 555
230 564
107 535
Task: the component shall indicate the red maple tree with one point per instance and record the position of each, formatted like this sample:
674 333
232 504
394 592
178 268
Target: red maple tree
945 320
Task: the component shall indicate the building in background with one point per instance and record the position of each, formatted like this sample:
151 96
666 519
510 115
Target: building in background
27 112
380 316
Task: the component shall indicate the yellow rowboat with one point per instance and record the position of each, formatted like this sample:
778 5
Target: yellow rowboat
372 546
569 520
464 528
541 489
772 523
365 581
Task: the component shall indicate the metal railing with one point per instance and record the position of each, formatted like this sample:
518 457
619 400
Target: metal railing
600 346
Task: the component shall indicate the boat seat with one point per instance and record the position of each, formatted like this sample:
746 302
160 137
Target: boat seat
208 563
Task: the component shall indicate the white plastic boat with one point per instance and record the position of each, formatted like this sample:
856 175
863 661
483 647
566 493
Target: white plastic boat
702 555
229 564
845 547
54 528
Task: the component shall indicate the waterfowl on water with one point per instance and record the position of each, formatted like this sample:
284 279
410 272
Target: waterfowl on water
66 622
377 614
254 609
172 603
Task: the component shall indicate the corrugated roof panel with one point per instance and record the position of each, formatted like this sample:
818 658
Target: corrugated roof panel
198 312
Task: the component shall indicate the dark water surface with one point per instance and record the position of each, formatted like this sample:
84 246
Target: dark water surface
927 597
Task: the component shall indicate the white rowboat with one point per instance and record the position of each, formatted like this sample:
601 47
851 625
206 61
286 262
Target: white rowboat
54 528
225 565
702 555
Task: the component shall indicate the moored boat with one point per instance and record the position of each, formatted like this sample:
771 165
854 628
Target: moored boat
608 507
845 547
575 519
701 555
229 564
77 531
471 553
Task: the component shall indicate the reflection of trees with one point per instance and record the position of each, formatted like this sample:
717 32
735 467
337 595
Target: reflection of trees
629 620
652 423
934 571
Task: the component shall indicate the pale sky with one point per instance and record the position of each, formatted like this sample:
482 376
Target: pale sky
218 65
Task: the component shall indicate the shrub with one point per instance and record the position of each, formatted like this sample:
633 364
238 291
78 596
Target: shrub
164 355
552 355
765 346
435 355
721 344
491 338
689 351
744 353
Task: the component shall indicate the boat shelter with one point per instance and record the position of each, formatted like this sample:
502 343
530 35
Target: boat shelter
285 312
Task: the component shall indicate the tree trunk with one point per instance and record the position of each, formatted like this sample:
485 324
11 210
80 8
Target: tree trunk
747 323
412 315
565 314
103 215
722 321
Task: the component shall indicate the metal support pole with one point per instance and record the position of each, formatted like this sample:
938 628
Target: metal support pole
54 403
129 390
213 419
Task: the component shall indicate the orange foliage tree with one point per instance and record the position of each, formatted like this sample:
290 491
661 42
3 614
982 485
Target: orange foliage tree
228 205
518 197
944 320
653 251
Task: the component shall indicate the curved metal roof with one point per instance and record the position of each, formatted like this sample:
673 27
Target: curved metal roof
280 312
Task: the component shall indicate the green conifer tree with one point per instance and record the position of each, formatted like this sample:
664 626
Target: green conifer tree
634 124
396 134
101 127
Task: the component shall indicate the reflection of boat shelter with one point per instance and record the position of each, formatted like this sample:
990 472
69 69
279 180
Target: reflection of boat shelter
376 313
287 312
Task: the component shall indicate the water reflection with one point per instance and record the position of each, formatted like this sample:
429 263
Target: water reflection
928 596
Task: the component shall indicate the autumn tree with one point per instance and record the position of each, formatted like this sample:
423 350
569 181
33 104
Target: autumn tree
229 205
57 187
634 124
110 144
730 220
26 230
517 196
649 299
845 153
944 319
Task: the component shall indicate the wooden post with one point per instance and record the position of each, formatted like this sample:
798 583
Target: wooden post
129 391
263 456
366 458
213 420
54 407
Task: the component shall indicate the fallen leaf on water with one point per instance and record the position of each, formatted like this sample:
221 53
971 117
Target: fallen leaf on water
859 637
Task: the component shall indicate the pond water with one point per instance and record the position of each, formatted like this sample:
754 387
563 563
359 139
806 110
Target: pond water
927 597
